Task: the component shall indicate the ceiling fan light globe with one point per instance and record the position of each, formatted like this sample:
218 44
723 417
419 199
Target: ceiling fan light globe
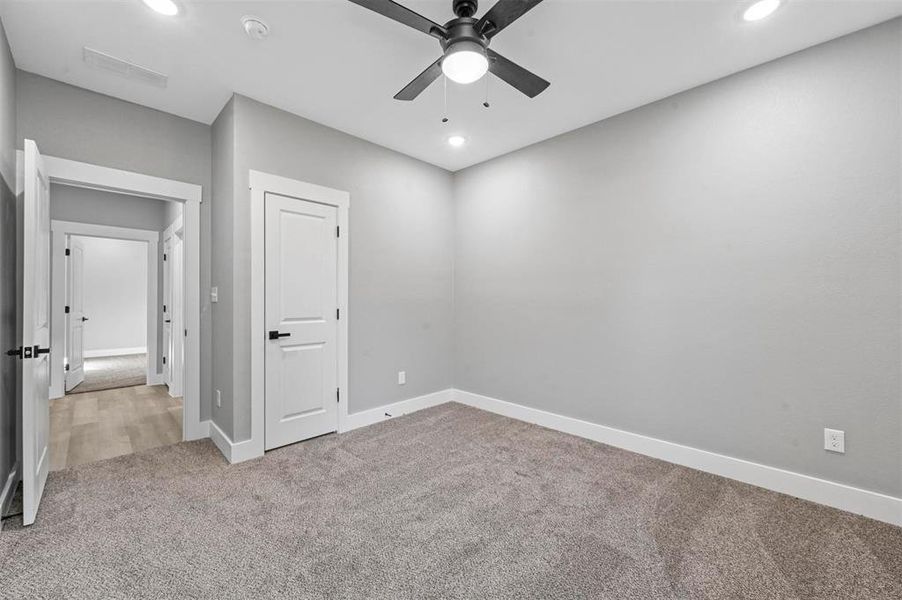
465 62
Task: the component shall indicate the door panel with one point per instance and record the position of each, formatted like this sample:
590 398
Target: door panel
34 325
167 312
75 321
301 302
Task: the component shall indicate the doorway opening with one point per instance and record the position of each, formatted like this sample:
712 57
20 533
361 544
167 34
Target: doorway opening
106 314
117 310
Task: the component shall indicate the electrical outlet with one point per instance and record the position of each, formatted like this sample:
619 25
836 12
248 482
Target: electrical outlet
402 377
835 440
218 399
214 294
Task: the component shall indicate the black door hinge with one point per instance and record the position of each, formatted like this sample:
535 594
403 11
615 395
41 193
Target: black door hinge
15 352
164 256
164 360
337 231
67 366
67 310
67 252
164 308
337 314
338 394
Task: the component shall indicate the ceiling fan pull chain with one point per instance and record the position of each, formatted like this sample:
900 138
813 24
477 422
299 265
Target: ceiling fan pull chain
486 103
445 85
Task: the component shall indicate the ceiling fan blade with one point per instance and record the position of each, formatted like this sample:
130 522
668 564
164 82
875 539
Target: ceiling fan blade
404 15
503 14
529 83
420 82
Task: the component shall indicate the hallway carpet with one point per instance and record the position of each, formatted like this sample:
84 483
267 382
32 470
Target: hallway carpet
111 372
450 502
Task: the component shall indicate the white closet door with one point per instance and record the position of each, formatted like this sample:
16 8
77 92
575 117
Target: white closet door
301 320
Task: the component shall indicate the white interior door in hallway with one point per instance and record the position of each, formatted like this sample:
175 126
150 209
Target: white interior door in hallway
75 313
167 311
173 317
301 271
34 329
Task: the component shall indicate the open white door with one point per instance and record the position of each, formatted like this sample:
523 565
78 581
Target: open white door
167 312
34 315
75 313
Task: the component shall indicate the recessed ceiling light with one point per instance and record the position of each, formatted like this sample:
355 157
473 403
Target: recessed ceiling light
164 7
760 10
457 140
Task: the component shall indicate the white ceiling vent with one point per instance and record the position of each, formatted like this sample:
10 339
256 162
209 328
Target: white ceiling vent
101 60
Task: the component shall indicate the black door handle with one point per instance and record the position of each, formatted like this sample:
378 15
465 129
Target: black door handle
84 319
168 321
274 335
38 350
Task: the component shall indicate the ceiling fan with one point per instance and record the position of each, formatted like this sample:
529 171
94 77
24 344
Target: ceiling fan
465 44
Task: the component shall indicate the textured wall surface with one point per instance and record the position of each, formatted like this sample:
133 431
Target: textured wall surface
719 269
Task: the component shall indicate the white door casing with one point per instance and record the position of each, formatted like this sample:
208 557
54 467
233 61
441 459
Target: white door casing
176 359
34 329
301 320
75 316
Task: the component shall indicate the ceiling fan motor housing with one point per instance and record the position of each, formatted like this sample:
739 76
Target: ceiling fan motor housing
463 29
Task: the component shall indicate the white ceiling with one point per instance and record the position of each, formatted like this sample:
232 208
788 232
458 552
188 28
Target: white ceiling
339 64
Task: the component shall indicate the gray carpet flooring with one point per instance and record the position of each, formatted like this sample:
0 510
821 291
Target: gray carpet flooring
449 502
111 372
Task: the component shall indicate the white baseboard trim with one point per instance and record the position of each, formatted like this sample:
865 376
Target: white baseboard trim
844 497
198 432
396 409
9 489
115 352
155 379
234 452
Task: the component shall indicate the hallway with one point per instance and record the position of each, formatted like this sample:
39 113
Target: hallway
88 427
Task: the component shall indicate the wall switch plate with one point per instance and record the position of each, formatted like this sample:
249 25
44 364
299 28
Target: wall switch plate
214 294
402 377
218 399
835 440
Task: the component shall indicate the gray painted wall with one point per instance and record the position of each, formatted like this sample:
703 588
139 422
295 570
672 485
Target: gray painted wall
719 269
401 224
82 205
223 208
98 207
74 123
8 402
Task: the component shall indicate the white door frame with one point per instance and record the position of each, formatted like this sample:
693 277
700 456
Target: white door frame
85 175
60 230
260 184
